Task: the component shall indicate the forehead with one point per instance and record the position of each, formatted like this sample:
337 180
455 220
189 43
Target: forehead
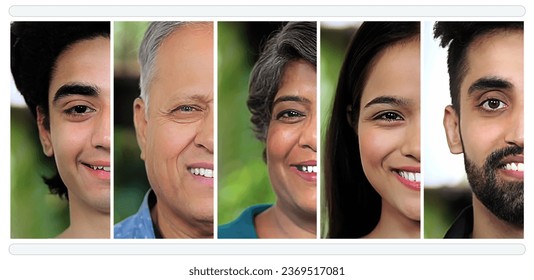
394 71
184 62
299 78
86 61
497 54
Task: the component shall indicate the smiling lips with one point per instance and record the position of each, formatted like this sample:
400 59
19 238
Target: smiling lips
409 177
514 168
100 170
204 172
306 170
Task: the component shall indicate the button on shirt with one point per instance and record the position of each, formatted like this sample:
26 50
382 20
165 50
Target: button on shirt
140 224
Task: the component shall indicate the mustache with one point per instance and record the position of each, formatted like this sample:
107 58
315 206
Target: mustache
494 159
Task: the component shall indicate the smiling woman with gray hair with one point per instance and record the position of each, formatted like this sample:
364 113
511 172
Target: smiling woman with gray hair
282 100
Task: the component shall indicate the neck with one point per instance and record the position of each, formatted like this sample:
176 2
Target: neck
487 225
171 225
394 224
86 221
276 222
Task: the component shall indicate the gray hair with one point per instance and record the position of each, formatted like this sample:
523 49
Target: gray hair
155 34
296 40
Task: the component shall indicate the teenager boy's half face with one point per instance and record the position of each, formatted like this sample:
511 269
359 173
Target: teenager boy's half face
489 127
78 136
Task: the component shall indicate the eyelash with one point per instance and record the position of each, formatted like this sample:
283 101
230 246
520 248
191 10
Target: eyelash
485 105
290 115
72 111
384 117
182 108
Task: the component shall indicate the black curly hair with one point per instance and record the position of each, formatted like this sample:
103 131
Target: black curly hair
35 47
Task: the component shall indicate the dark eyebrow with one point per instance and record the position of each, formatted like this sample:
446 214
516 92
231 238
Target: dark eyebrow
76 89
291 98
489 83
388 100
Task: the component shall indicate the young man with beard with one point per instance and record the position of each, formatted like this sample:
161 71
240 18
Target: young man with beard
485 123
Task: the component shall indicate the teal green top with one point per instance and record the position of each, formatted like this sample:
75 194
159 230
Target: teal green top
243 226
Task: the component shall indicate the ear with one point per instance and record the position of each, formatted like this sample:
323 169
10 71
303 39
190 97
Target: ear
140 124
451 122
44 133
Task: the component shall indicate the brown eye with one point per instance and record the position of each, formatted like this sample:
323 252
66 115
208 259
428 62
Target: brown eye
79 110
493 105
290 116
389 117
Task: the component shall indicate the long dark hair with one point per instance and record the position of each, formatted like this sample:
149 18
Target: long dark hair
353 204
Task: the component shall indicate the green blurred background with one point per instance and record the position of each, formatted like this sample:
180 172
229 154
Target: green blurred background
243 178
35 213
130 181
335 37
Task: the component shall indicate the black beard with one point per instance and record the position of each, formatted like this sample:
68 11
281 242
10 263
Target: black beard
503 198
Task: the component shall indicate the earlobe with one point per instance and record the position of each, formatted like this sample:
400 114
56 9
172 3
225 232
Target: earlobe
44 133
140 124
451 122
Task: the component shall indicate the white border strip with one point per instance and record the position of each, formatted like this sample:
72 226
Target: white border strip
494 11
267 249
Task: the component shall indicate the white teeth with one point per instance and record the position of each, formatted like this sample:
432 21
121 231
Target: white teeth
105 168
515 166
410 176
307 168
202 172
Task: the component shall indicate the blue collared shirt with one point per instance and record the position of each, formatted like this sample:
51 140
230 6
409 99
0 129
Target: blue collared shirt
139 225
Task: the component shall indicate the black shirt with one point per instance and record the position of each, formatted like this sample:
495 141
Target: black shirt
463 225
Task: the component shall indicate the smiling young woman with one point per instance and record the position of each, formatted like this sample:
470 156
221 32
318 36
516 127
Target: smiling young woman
372 162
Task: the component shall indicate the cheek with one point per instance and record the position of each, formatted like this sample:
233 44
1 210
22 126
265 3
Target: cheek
167 141
374 146
280 140
480 138
68 139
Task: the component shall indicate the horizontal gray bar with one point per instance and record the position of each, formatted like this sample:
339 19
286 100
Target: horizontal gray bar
268 11
265 249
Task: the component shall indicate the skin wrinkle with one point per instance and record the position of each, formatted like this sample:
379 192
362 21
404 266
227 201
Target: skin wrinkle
171 142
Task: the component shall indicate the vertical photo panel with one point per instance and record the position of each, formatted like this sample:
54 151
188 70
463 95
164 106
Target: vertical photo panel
267 130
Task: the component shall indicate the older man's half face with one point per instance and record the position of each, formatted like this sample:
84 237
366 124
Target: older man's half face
176 135
489 130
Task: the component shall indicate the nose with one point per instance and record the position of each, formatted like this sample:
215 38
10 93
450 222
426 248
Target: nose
514 133
204 134
411 147
308 137
101 137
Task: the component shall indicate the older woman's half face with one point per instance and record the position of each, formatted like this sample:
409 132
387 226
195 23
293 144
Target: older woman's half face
388 128
291 144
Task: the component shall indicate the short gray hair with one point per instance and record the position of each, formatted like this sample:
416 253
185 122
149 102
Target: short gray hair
155 34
